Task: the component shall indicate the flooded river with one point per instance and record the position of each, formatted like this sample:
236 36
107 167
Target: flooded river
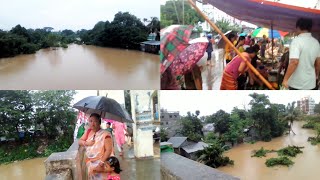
81 67
251 168
32 169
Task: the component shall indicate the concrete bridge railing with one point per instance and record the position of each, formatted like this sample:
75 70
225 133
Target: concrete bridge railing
65 165
176 167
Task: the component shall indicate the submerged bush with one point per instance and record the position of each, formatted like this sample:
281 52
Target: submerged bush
261 152
291 151
309 125
314 140
283 160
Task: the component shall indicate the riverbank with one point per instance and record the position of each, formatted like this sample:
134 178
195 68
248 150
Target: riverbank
16 151
252 168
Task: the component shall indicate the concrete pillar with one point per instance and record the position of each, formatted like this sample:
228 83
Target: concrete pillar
141 105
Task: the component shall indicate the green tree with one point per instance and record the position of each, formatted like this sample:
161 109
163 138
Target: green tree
163 135
16 110
221 119
178 12
225 25
317 108
265 117
54 112
213 156
211 138
235 132
53 40
191 127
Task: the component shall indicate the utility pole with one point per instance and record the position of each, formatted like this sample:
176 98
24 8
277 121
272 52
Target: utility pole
182 12
175 8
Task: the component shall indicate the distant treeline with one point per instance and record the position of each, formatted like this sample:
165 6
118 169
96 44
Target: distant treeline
125 31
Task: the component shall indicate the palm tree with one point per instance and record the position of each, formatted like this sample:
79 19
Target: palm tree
213 156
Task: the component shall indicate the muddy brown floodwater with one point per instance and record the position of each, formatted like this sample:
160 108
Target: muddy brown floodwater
306 165
81 67
32 169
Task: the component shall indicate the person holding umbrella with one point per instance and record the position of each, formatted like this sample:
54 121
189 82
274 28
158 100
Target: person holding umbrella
98 144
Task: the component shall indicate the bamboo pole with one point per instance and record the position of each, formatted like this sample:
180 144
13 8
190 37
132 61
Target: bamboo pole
253 69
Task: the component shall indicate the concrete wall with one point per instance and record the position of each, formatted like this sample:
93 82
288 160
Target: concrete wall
175 167
65 165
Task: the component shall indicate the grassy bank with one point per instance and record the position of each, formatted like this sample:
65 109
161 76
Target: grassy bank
13 151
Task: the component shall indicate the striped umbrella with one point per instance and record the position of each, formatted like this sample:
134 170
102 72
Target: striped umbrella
174 39
265 31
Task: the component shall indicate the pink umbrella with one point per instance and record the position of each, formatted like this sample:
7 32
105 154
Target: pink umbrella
108 120
189 57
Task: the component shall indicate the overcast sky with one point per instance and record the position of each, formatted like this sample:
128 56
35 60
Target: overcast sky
70 14
302 3
208 102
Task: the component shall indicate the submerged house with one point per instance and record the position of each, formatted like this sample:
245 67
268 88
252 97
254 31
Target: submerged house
190 151
208 128
251 134
151 45
187 148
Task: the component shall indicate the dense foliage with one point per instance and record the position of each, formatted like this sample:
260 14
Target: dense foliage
265 117
191 127
20 40
291 151
261 152
125 31
283 160
313 122
24 112
178 12
213 156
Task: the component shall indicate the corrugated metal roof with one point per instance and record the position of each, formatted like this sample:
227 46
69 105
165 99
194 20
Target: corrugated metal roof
177 141
151 43
165 143
194 147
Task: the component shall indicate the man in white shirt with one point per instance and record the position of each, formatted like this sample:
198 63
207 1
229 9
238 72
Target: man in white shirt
304 66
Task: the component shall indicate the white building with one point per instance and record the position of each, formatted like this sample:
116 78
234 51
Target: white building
306 105
216 14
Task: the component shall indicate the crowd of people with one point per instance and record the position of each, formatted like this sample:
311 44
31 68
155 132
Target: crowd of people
100 158
297 67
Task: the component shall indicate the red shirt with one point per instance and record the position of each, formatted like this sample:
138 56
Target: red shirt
113 177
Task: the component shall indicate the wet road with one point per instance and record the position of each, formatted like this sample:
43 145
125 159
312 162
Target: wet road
212 74
134 169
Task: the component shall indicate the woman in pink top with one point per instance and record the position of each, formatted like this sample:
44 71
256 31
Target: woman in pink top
120 130
234 69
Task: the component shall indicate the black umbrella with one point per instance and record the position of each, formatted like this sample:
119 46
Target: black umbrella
106 107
